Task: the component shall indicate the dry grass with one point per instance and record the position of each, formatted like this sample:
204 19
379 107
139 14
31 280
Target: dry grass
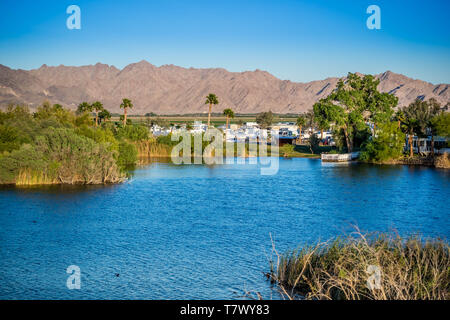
411 269
151 148
28 177
442 161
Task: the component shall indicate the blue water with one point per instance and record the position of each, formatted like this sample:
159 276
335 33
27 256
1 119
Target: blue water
201 232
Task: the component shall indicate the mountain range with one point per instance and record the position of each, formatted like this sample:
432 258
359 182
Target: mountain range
171 89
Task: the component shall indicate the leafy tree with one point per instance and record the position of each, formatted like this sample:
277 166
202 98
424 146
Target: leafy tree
9 138
301 122
229 114
441 124
211 99
54 115
386 144
351 105
126 104
322 117
409 124
265 119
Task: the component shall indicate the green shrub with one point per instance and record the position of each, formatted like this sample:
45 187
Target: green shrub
127 154
133 133
387 144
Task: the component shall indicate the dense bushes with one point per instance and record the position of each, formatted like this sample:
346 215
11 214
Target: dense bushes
388 144
133 133
127 154
54 145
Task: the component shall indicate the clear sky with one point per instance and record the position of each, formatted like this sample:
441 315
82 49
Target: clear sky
294 40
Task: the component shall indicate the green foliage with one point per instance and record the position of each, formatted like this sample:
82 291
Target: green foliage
100 135
84 107
351 106
122 118
26 157
301 121
265 119
83 119
228 113
441 123
54 115
9 138
81 159
313 142
387 144
211 99
55 146
133 133
104 115
126 103
418 116
167 140
127 154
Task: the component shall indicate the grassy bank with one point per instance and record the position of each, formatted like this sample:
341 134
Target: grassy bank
410 269
302 151
57 146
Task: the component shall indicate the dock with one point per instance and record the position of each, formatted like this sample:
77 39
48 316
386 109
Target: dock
339 157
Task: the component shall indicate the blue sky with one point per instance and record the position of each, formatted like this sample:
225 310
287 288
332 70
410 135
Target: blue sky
294 40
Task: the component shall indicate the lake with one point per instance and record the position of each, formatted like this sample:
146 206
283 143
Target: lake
201 232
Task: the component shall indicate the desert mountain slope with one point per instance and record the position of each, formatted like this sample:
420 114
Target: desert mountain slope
170 89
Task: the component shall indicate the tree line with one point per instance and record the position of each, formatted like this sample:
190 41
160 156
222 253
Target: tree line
56 145
365 119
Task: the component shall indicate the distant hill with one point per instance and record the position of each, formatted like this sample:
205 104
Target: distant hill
170 89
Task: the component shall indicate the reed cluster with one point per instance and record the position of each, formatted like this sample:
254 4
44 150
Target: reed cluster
365 266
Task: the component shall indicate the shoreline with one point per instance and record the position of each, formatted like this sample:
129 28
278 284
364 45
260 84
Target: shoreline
145 160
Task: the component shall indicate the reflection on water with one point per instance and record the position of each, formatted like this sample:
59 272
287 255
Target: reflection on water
196 231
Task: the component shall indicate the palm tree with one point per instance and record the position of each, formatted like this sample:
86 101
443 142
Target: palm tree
229 114
301 121
97 107
84 107
418 119
399 116
126 103
310 120
211 99
104 115
433 110
410 123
